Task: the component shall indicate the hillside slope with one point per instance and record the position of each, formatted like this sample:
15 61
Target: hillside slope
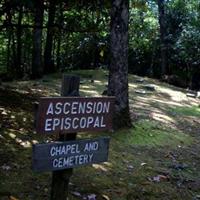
158 158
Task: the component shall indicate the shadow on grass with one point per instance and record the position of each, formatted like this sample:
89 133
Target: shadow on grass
152 147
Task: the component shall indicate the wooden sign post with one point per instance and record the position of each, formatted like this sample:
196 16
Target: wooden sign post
65 116
60 179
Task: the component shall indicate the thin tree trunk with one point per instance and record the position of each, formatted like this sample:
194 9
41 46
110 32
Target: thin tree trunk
118 72
163 45
9 32
37 66
59 39
48 61
58 51
8 50
14 54
19 70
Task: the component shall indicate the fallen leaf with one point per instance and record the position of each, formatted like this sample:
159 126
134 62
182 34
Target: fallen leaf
130 167
159 178
77 194
142 164
4 113
13 198
105 197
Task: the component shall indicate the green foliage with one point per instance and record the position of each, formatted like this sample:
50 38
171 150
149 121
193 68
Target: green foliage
143 34
81 36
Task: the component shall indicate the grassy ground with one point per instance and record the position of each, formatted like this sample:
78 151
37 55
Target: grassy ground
159 158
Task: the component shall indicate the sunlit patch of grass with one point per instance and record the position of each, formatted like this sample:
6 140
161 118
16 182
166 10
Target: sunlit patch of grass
188 111
152 133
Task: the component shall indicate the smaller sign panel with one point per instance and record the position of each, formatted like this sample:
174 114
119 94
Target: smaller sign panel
74 114
63 155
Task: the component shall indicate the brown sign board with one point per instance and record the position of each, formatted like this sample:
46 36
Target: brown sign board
62 155
74 114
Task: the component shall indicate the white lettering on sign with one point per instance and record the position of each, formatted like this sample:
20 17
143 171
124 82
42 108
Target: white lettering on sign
66 108
75 115
52 124
74 107
89 107
83 122
90 121
91 146
78 108
48 124
69 155
50 109
64 150
72 160
58 108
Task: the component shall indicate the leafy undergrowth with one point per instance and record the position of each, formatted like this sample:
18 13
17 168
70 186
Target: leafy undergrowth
158 158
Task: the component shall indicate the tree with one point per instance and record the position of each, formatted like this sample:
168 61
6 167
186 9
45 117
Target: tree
19 71
37 67
48 61
118 70
163 44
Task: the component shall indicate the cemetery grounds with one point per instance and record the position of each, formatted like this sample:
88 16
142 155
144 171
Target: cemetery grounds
158 158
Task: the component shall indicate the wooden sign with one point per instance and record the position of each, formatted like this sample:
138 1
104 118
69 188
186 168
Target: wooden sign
63 155
74 114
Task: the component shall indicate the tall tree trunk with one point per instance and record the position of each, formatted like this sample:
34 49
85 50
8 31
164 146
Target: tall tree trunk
37 66
8 50
48 61
118 72
9 32
163 44
58 50
19 70
59 37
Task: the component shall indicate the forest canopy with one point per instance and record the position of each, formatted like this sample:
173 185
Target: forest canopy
40 37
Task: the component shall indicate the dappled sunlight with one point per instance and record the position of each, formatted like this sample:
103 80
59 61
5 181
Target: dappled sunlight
93 89
108 164
135 154
89 92
159 103
99 82
165 101
35 141
24 143
132 86
100 167
162 117
174 95
12 135
141 104
42 88
85 87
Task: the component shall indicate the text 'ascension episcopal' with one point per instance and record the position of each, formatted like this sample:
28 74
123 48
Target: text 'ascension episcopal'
68 114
